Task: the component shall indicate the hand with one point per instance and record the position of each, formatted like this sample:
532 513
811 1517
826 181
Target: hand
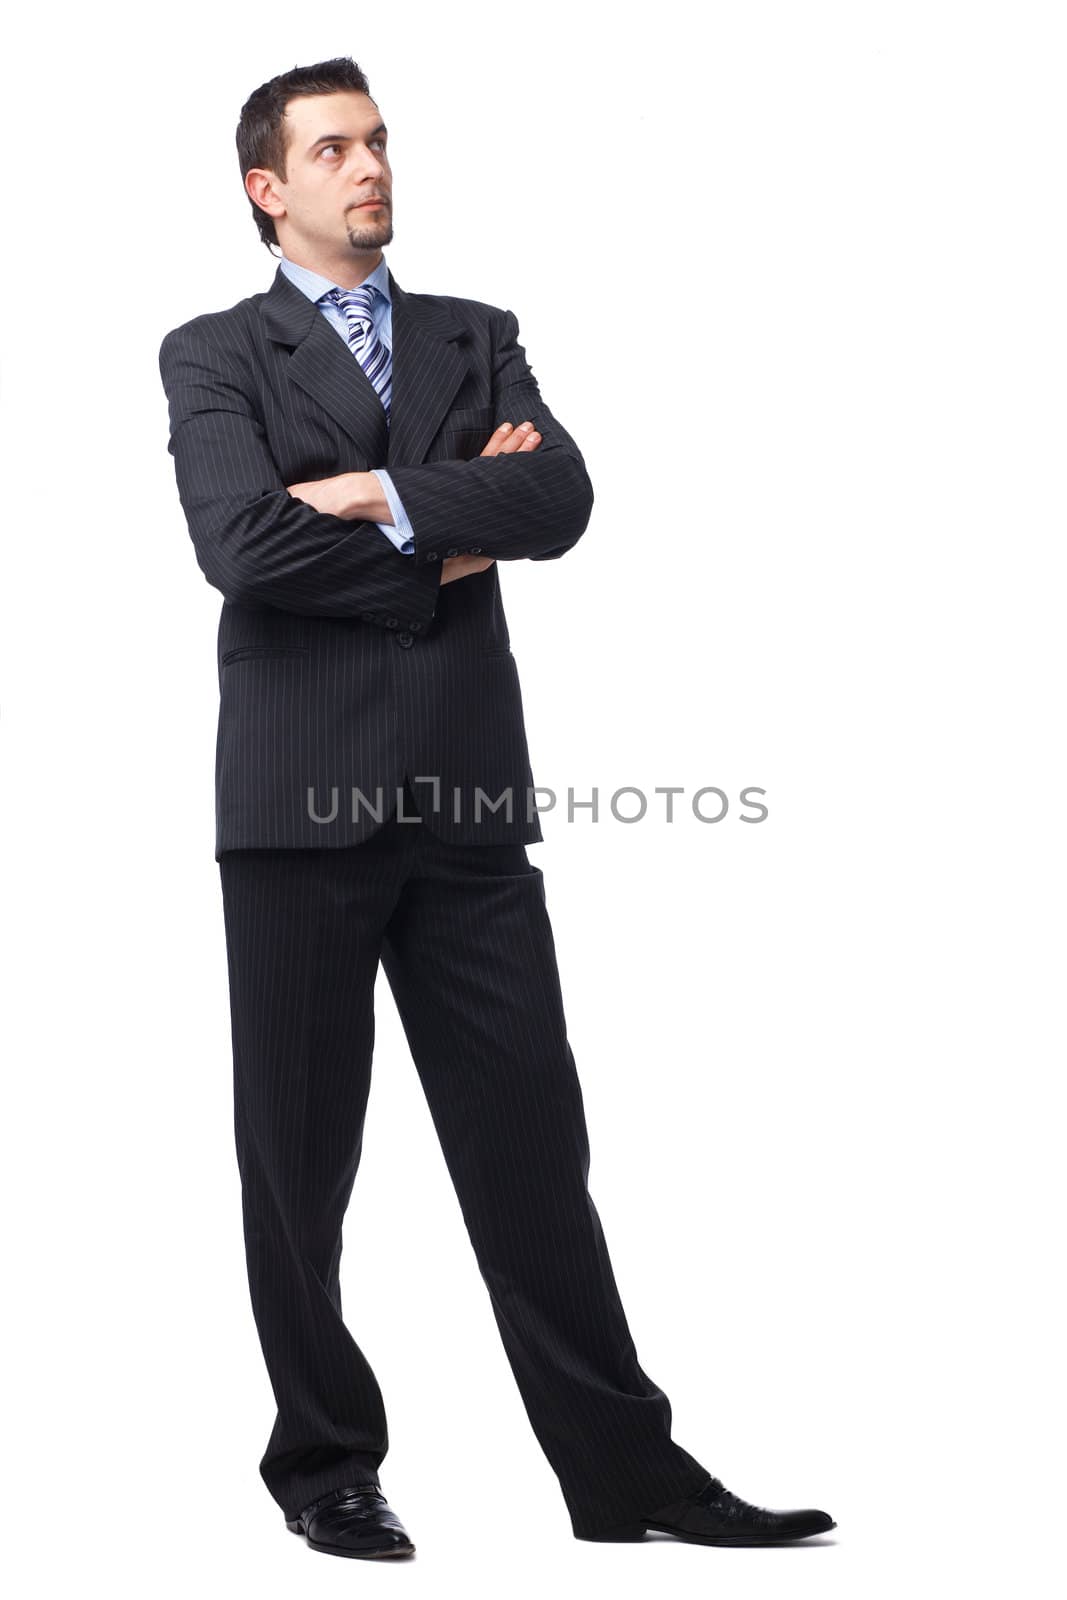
322 494
352 496
507 441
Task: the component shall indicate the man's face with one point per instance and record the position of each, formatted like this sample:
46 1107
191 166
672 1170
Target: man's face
336 164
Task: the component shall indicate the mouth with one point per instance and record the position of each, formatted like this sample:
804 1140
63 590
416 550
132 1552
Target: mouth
370 205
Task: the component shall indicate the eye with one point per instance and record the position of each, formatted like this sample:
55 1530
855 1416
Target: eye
326 147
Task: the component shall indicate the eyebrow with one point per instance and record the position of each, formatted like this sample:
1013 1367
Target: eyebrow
343 138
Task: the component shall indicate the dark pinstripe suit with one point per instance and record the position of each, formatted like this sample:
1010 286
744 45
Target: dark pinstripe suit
344 664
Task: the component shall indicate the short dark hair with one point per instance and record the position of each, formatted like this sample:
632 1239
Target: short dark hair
261 133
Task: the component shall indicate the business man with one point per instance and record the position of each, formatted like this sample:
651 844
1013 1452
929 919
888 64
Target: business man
353 461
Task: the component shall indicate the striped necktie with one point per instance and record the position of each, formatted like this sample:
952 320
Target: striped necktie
372 355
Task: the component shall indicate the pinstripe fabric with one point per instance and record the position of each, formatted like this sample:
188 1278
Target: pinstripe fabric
344 665
465 940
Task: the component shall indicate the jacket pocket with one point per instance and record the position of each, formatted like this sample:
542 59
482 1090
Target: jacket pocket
241 652
470 417
464 443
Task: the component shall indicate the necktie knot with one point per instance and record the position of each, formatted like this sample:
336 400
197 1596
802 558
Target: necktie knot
355 303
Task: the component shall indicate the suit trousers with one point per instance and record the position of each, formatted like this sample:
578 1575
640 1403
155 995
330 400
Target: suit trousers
464 936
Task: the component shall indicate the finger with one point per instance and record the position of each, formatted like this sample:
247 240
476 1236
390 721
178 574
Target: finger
497 439
506 440
517 438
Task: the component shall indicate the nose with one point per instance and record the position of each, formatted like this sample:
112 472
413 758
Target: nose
370 166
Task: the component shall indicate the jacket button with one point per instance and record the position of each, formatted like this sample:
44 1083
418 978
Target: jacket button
416 627
476 549
431 555
391 622
451 552
405 639
367 616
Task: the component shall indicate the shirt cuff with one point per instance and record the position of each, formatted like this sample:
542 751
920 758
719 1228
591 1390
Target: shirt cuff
402 534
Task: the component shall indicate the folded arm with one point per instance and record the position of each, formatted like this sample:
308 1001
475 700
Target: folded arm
532 505
254 542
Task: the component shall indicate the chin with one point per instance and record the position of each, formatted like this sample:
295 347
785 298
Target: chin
363 240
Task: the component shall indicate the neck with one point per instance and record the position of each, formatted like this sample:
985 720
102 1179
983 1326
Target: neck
348 272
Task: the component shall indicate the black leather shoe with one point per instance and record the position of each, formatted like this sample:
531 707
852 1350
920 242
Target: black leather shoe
355 1521
715 1516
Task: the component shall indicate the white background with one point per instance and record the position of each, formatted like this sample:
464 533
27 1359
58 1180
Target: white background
792 275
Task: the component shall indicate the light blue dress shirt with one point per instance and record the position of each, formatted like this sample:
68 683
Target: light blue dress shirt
314 285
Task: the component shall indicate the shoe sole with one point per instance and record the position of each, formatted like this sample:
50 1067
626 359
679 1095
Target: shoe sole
359 1555
636 1531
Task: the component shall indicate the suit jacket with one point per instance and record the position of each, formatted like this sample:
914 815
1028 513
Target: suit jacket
345 666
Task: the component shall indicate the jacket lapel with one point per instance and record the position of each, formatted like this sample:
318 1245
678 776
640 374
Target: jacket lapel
429 365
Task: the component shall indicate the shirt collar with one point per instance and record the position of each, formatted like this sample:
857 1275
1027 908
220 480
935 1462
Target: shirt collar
314 285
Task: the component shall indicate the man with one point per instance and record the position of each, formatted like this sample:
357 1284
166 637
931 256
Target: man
353 460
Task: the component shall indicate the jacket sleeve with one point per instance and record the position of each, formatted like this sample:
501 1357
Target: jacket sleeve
534 504
255 542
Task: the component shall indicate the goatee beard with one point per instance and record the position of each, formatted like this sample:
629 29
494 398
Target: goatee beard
370 238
